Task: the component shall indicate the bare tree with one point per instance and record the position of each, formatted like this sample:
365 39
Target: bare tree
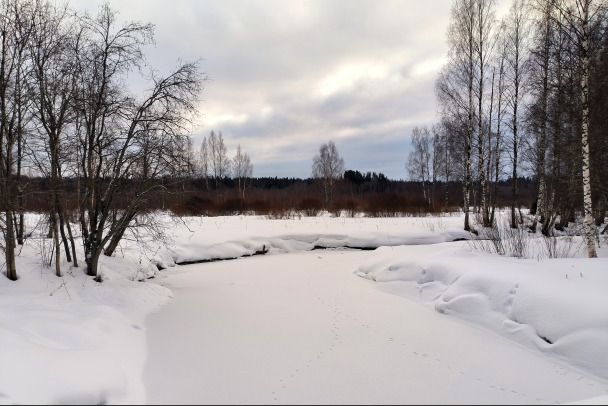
541 57
328 166
53 49
116 126
455 86
500 113
438 159
445 160
420 160
15 29
204 161
243 170
484 44
517 34
219 161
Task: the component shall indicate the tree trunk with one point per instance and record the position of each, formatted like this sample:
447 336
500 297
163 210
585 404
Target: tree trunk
113 244
469 141
514 186
541 149
489 212
92 253
20 224
483 204
498 139
11 268
93 264
587 203
64 239
55 231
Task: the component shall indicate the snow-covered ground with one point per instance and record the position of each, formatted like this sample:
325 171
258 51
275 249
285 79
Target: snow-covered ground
73 340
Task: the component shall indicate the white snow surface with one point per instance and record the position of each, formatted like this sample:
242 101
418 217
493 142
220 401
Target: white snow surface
71 340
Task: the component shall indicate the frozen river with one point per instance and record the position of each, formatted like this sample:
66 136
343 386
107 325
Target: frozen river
301 328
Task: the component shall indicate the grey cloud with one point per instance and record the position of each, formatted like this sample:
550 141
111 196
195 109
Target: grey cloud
287 76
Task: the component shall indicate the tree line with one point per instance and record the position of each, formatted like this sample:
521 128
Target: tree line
214 186
522 94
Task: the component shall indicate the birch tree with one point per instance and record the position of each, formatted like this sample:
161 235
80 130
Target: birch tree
455 88
516 52
218 159
328 166
243 170
204 161
484 40
420 160
500 113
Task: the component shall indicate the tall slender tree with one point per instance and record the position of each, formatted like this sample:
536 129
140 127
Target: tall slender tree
516 51
484 41
455 86
578 17
218 159
328 166
15 30
500 113
420 160
53 49
204 161
243 170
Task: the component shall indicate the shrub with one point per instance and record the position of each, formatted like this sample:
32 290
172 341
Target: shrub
194 205
259 206
279 213
388 204
310 206
232 206
347 206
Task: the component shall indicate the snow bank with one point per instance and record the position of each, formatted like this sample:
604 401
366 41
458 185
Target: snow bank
552 305
213 238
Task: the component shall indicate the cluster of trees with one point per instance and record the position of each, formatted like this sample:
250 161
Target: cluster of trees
66 112
214 163
525 93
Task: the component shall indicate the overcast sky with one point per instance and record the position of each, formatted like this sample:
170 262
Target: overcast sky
286 76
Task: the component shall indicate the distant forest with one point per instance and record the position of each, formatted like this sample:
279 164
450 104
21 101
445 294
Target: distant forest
369 193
